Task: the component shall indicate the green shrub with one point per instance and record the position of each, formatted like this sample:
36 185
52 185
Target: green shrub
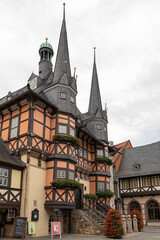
67 138
105 193
90 196
104 159
65 183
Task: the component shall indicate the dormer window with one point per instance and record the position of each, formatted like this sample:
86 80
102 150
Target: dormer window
63 95
72 99
136 166
98 126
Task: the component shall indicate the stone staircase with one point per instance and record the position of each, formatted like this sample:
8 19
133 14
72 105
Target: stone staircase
85 222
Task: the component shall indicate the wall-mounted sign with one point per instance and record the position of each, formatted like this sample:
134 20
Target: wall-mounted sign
20 227
11 212
31 228
55 229
35 215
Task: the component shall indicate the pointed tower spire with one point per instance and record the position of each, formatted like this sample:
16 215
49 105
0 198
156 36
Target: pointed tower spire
95 97
62 65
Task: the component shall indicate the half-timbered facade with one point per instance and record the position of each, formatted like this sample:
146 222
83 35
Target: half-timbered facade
30 120
139 182
11 173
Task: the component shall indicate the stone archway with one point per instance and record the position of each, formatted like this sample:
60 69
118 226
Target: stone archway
134 205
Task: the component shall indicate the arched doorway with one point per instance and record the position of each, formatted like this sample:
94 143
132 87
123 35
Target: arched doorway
153 211
135 206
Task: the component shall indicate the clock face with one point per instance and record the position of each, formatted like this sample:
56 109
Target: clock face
33 83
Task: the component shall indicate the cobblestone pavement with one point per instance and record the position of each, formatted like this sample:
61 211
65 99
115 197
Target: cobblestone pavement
150 233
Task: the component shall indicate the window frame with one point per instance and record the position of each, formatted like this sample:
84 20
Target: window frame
71 175
72 99
99 126
12 128
99 155
63 95
125 184
72 129
60 173
62 126
4 178
101 186
133 183
147 181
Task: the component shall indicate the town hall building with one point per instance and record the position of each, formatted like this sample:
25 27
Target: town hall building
45 138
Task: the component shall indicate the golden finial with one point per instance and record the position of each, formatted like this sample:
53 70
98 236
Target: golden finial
64 4
32 71
52 67
94 48
65 61
46 39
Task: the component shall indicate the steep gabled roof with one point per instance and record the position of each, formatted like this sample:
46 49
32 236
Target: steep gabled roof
147 157
95 97
118 156
6 156
62 65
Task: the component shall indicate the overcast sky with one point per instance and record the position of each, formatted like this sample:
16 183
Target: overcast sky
126 34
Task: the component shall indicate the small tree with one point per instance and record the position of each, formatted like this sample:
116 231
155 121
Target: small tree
113 224
139 219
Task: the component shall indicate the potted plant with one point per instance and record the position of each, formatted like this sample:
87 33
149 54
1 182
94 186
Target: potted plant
104 159
68 139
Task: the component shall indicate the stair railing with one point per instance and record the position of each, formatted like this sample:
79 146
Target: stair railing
96 215
103 209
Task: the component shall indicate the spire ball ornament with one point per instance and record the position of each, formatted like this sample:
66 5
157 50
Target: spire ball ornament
64 4
46 39
94 48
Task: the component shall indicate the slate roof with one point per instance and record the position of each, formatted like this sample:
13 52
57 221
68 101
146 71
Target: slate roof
6 157
148 157
95 97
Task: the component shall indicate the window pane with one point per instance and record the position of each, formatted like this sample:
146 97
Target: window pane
99 126
0 181
62 129
72 131
71 175
63 95
14 122
14 132
72 99
85 154
61 173
1 172
5 181
5 172
99 152
101 185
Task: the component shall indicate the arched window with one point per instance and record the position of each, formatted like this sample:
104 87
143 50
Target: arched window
49 224
135 206
153 211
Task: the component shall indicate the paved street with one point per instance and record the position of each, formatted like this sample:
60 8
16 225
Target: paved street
150 233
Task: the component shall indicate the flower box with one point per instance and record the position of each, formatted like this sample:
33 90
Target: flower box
68 139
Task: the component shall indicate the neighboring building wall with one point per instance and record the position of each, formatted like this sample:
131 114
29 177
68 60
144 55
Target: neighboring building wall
33 195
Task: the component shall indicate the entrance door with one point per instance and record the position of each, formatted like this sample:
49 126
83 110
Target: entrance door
78 198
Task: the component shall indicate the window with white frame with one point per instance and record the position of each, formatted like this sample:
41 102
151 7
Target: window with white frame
80 152
98 126
71 175
72 131
105 129
61 174
85 154
101 186
99 152
63 95
62 129
3 177
107 185
72 99
14 127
